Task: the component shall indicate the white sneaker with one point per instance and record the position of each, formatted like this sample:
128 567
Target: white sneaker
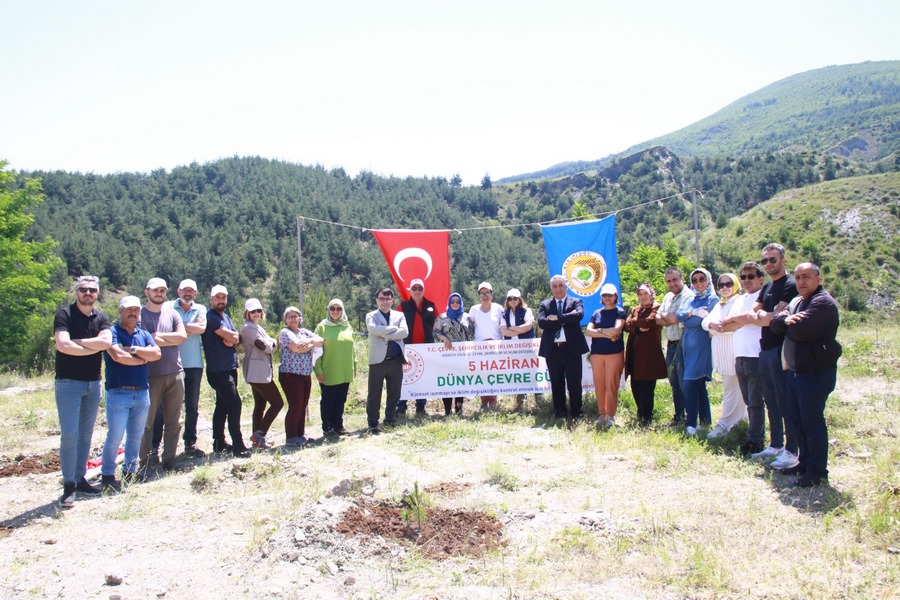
690 431
785 460
717 432
769 452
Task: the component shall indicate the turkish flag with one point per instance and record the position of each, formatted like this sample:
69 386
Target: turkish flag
418 254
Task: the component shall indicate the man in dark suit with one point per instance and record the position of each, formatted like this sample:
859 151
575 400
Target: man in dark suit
420 315
562 346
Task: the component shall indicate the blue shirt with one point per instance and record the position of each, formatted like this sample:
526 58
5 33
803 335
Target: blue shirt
118 374
219 357
602 319
190 350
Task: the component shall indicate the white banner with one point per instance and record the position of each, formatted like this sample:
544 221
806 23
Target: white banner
475 368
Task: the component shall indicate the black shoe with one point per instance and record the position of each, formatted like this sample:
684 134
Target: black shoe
420 412
67 500
139 476
153 459
83 487
194 452
241 452
809 480
748 448
795 470
221 447
169 464
342 431
109 484
374 430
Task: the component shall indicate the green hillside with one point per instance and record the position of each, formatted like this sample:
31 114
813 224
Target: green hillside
849 111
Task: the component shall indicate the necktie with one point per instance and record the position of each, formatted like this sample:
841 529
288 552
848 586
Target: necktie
559 314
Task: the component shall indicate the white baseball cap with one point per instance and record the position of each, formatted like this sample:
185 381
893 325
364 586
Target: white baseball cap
218 289
485 285
187 283
252 304
129 302
157 282
609 288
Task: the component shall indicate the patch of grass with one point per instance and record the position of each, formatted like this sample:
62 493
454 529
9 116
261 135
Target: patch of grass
575 540
202 478
501 475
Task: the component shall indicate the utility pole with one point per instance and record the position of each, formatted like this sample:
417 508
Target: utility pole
696 228
300 261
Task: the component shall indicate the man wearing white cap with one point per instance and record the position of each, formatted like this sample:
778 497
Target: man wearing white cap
420 315
193 316
166 375
127 396
219 342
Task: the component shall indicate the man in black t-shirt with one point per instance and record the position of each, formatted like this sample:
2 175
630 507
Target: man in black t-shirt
82 333
773 298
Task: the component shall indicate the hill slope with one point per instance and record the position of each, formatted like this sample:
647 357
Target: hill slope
851 111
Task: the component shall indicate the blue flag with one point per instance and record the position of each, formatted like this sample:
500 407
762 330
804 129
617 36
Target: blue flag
585 254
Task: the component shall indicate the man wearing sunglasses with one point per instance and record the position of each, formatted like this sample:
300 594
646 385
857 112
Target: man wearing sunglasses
387 330
773 298
745 341
82 333
420 314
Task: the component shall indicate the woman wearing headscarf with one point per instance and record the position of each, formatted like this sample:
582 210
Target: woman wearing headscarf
607 353
644 360
257 365
294 373
453 326
697 350
336 368
733 407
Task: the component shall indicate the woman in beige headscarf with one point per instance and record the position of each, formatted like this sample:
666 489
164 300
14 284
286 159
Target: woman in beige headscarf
733 407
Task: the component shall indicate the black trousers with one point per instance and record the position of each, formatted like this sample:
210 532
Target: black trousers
643 392
228 407
565 373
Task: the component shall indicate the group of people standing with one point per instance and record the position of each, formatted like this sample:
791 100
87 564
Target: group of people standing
773 344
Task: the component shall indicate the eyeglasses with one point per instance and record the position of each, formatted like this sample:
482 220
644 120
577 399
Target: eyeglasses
511 298
417 288
256 311
771 259
698 279
380 298
87 290
335 309
454 301
607 295
485 293
752 276
726 284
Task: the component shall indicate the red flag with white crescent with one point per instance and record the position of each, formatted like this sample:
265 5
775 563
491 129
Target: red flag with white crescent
418 254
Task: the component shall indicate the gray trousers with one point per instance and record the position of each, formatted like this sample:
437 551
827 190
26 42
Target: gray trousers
388 372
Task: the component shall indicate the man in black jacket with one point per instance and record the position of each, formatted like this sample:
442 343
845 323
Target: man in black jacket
563 346
420 315
810 325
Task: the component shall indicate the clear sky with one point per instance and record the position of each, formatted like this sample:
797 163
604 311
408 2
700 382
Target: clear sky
396 87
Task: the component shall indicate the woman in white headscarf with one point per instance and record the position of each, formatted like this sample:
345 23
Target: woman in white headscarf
733 407
697 350
336 368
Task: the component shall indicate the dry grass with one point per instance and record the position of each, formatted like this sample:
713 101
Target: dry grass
627 513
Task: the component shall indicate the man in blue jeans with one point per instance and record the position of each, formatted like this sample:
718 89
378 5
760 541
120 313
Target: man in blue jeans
127 392
82 333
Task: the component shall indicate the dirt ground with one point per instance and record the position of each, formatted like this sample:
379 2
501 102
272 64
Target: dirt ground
326 521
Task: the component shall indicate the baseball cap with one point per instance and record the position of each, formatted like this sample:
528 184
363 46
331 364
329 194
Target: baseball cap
252 304
485 285
416 281
187 283
129 302
157 282
218 289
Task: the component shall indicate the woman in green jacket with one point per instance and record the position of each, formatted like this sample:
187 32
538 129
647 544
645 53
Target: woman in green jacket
336 368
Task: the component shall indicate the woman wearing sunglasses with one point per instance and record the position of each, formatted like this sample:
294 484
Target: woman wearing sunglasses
336 368
697 350
257 366
733 407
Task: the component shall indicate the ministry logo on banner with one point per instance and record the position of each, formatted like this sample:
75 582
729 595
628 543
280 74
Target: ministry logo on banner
418 254
585 254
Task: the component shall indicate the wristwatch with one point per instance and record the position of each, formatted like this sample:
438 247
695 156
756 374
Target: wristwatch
134 351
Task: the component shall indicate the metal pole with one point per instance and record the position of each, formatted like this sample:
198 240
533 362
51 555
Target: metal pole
696 229
300 261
